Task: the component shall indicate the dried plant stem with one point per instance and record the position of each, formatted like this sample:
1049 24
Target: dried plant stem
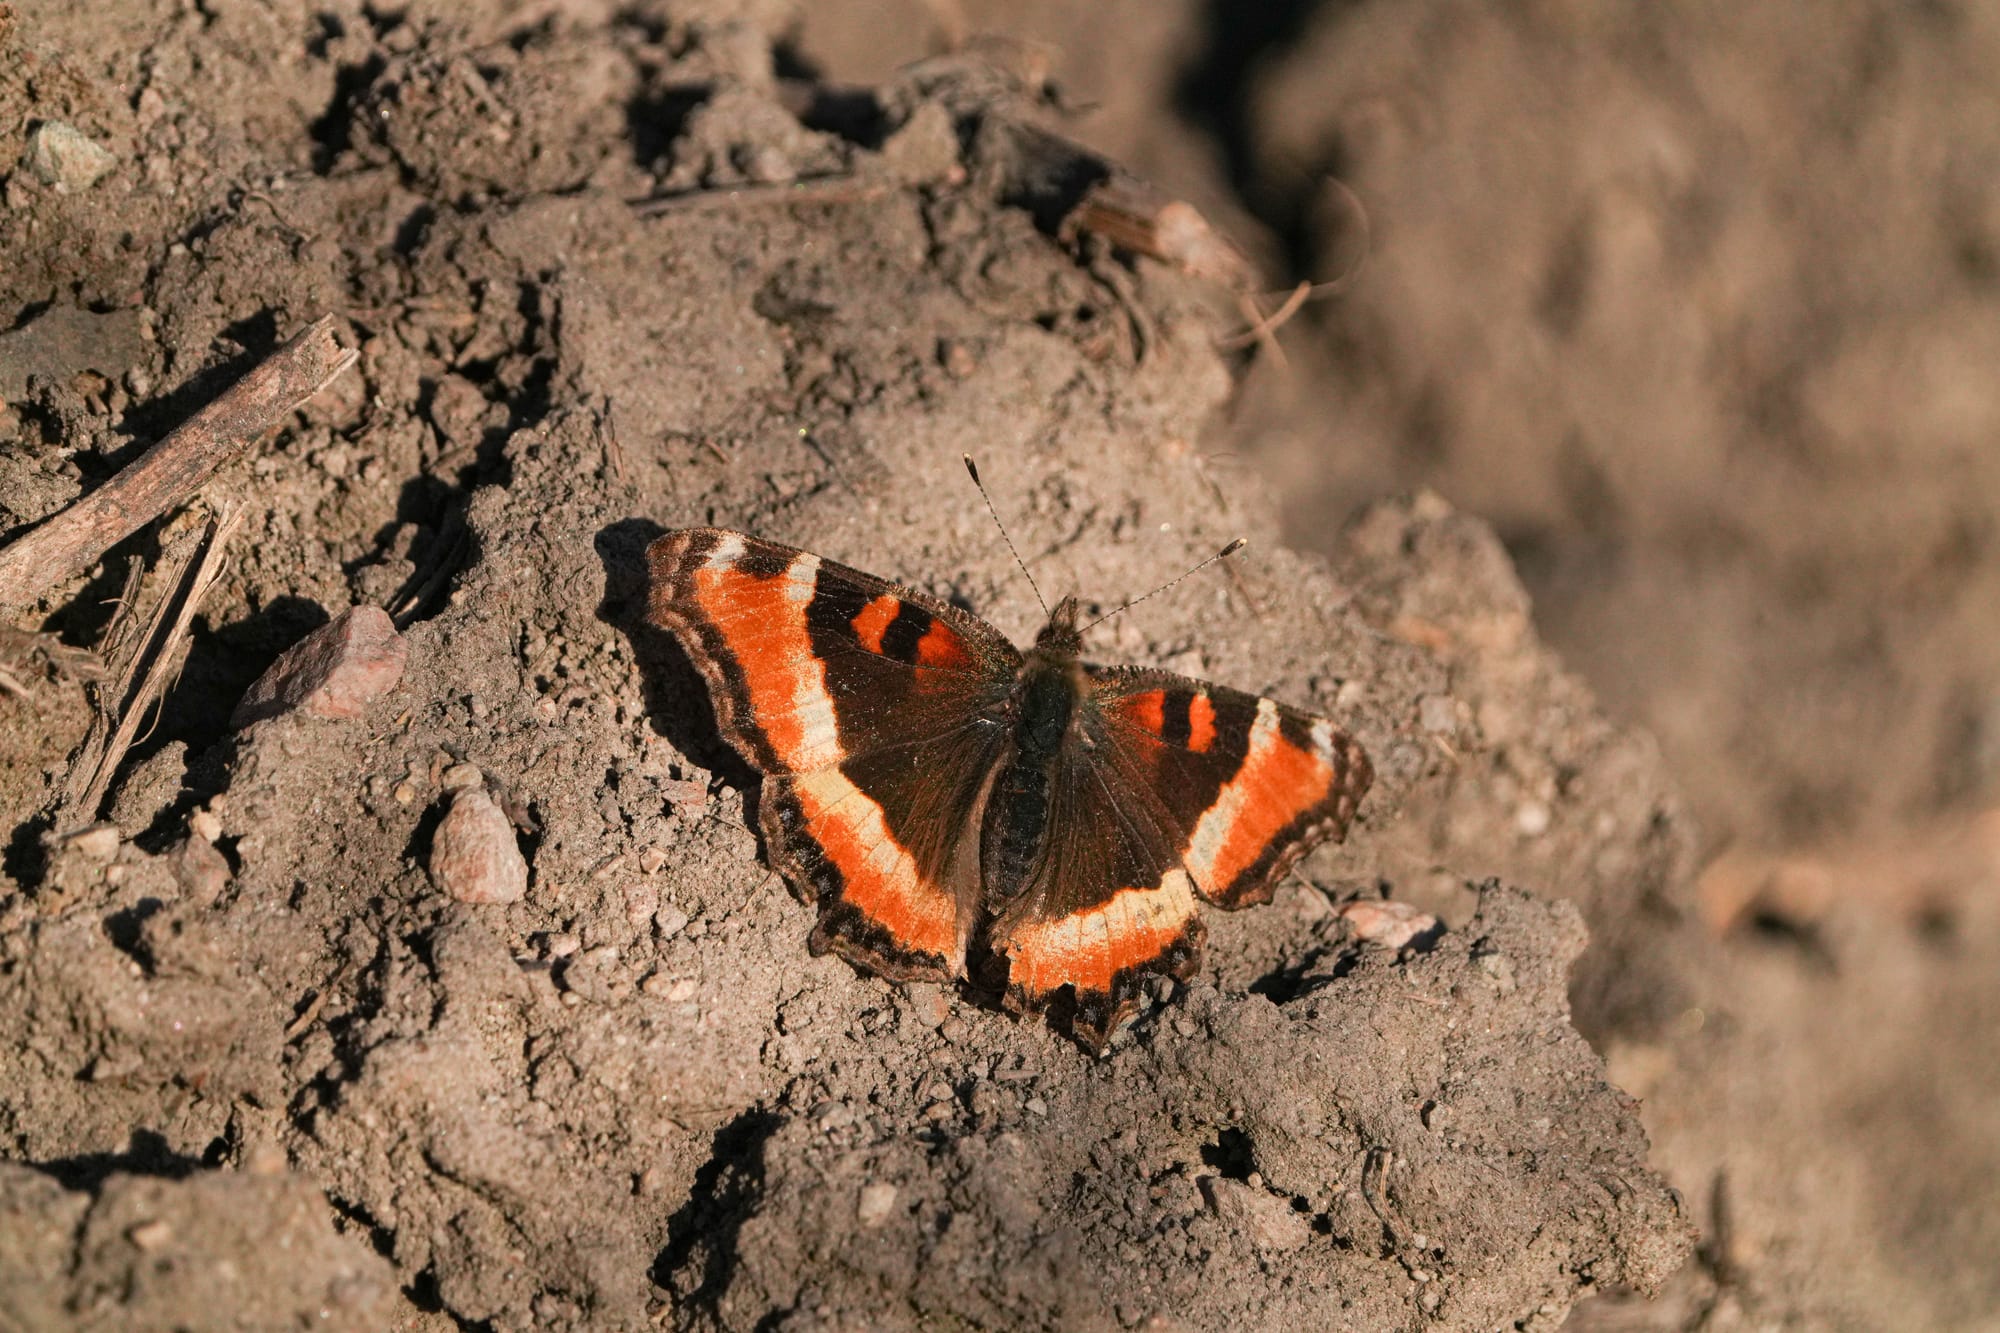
149 668
828 190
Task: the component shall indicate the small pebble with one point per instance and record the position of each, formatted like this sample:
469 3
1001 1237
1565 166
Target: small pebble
201 871
1532 819
461 776
927 1003
685 793
651 859
669 921
1036 1106
474 857
1268 1221
1438 713
151 1236
100 842
878 1200
204 825
64 157
642 901
1385 923
957 359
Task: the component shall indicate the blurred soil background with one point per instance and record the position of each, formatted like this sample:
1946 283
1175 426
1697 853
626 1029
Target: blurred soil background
1654 372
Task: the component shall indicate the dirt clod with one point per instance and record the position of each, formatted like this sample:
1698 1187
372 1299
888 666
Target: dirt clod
298 1033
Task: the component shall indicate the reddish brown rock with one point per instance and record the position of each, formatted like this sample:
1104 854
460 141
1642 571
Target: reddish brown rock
336 671
474 857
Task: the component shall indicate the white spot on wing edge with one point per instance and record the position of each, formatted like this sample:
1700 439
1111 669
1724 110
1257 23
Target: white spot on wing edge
727 551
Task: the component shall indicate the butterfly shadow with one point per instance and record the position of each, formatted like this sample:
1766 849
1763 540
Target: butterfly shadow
675 695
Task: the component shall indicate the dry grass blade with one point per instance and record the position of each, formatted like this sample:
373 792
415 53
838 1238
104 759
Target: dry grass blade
149 668
26 655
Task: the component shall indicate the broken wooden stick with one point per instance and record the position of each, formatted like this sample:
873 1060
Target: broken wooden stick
175 468
1134 216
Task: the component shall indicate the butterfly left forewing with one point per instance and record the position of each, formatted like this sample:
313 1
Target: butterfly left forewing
863 704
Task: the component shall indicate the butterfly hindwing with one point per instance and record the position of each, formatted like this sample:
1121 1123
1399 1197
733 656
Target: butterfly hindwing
868 709
1168 788
1100 903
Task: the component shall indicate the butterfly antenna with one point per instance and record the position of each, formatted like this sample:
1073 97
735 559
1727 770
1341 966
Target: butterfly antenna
973 470
1226 551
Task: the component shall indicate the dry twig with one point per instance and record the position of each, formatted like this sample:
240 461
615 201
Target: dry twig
174 469
1136 217
824 190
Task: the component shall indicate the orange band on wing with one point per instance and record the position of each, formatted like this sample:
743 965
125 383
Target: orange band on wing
882 879
1279 781
874 621
1087 949
942 647
1149 710
1201 724
763 622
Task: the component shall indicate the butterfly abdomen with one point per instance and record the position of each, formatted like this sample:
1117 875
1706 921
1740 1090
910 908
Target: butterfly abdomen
1017 815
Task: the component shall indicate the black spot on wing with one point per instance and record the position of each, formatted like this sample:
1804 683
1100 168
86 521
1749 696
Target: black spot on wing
900 640
831 612
761 560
